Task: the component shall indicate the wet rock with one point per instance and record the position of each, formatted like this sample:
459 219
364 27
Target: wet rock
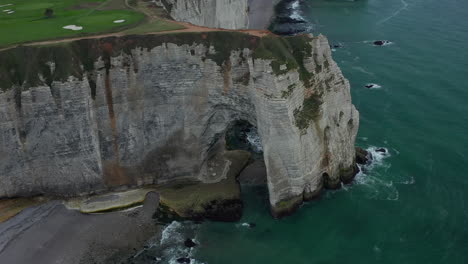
336 46
381 150
290 20
362 156
369 86
380 42
183 260
189 243
249 225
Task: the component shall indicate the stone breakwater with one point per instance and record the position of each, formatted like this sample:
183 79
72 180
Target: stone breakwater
97 114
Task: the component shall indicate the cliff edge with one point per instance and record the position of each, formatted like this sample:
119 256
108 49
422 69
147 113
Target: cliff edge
95 114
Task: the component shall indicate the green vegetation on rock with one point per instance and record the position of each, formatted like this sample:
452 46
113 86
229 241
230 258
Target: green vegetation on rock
216 201
288 52
289 91
285 207
309 111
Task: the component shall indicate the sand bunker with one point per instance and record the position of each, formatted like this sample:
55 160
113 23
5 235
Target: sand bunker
10 12
73 27
6 5
119 21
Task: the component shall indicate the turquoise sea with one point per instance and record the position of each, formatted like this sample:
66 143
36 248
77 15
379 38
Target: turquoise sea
409 207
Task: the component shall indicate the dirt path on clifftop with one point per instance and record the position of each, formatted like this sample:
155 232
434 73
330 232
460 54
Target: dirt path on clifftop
188 28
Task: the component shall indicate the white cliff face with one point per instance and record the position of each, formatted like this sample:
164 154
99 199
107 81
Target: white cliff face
228 14
159 114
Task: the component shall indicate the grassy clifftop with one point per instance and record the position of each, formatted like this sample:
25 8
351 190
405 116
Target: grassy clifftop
28 66
31 20
27 20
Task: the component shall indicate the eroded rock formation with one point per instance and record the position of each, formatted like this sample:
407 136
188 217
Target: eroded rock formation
96 114
229 14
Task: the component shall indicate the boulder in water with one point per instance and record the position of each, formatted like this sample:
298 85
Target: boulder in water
369 86
363 156
189 243
183 260
336 46
381 150
380 42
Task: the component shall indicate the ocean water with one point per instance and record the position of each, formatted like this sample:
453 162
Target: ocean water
412 205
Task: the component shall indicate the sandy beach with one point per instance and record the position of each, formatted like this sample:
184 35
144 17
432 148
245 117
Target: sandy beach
51 233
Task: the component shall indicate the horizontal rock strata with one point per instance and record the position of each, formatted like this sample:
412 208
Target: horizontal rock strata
97 114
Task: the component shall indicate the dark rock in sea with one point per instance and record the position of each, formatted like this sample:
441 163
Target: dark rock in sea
252 225
289 20
369 86
285 23
381 150
223 211
336 46
183 260
287 29
189 243
363 157
380 42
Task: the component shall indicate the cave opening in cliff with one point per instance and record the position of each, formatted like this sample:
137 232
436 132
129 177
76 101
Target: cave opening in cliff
242 135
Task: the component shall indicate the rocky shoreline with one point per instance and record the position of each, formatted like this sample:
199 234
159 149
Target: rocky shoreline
51 233
288 88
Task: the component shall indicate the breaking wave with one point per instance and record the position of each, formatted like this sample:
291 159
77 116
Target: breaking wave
295 7
254 140
373 179
170 246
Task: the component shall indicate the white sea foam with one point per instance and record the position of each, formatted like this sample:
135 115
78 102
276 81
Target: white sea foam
170 246
119 21
295 11
73 27
254 139
386 43
374 86
295 4
403 7
377 186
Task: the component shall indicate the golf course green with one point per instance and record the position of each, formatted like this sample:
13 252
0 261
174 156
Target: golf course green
36 20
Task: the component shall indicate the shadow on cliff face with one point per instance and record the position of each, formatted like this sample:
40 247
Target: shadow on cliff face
244 136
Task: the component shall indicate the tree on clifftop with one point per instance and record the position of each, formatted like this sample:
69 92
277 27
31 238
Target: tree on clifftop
49 13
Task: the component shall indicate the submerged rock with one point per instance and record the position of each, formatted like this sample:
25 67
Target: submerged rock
183 260
336 46
381 42
381 150
249 225
363 156
189 243
369 86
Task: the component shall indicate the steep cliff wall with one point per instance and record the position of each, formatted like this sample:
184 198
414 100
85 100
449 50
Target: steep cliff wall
229 14
94 114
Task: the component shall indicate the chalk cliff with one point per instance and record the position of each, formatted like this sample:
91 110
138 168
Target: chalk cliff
228 14
96 114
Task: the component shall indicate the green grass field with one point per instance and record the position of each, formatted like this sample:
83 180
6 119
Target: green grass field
28 22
